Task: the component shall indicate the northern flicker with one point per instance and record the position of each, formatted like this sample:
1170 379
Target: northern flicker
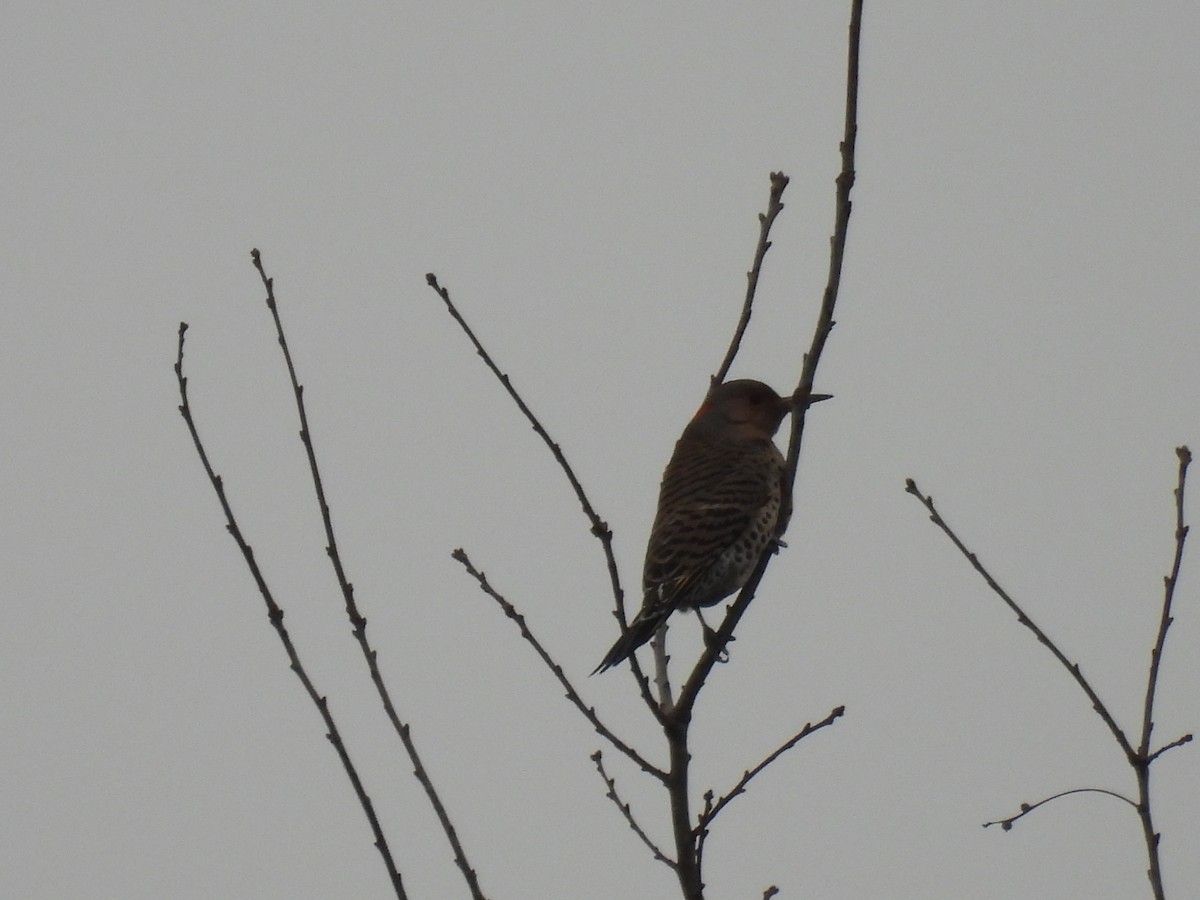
717 508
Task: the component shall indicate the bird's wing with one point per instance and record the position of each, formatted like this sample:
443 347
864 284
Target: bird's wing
705 506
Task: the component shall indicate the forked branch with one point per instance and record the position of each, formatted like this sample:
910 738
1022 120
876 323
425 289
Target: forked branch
1140 758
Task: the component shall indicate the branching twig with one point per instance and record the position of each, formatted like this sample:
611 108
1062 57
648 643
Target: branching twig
749 774
1139 758
589 712
676 723
357 621
598 759
1027 808
1178 742
824 326
1144 758
275 615
779 183
599 527
1169 581
711 809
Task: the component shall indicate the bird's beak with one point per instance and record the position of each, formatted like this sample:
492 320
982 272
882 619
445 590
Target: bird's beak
812 398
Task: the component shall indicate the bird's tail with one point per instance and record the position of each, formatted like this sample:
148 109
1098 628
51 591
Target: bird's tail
640 630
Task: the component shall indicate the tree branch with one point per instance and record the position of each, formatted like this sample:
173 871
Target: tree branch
1144 758
1027 808
779 183
824 326
357 622
611 783
599 527
712 809
275 616
1140 758
1073 668
572 695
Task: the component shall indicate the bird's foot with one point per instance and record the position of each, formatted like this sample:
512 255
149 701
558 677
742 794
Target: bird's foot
710 639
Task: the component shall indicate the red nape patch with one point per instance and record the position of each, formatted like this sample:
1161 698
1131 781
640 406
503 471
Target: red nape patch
704 407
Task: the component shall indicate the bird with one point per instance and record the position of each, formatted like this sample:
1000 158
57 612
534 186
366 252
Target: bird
718 508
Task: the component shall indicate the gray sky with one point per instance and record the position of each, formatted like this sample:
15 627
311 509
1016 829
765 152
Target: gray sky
1018 330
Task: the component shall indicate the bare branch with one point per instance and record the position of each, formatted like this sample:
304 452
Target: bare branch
711 809
779 183
589 712
357 622
599 527
1178 742
628 813
1027 808
1169 582
677 721
275 616
662 672
824 326
1097 704
1139 759
1143 760
740 787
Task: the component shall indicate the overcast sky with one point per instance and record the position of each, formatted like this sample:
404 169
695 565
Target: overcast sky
1018 330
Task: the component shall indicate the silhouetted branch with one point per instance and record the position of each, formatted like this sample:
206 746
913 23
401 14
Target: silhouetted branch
598 759
749 774
1178 742
1144 758
678 719
711 809
824 326
1027 808
589 712
357 621
675 718
275 616
599 527
1169 581
1141 758
1073 668
779 183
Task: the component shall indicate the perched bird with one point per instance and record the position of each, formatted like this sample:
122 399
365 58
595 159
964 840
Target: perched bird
717 508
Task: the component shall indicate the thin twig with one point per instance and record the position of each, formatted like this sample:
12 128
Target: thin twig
1169 582
275 616
1073 668
676 723
749 774
824 326
611 783
1178 742
357 621
589 712
779 183
1144 758
662 671
1027 808
711 809
1139 758
599 527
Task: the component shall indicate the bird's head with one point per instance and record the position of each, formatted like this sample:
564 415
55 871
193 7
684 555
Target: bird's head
745 409
742 409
